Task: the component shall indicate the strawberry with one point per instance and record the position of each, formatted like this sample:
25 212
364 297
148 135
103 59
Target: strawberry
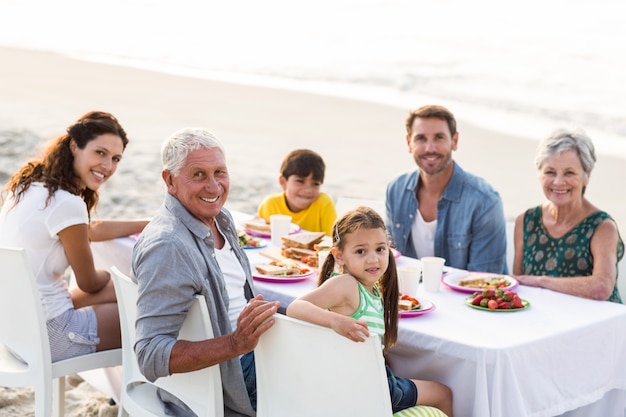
504 305
492 304
517 303
477 299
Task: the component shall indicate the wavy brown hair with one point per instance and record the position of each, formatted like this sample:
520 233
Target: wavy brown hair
367 218
55 167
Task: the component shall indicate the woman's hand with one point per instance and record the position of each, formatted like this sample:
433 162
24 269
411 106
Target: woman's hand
530 280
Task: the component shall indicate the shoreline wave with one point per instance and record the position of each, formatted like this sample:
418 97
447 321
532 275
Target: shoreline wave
529 124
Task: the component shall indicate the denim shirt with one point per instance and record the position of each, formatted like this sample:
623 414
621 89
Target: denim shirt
471 230
173 260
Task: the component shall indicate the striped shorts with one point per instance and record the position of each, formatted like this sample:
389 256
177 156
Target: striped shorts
73 333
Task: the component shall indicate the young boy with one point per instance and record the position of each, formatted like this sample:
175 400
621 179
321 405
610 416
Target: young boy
301 176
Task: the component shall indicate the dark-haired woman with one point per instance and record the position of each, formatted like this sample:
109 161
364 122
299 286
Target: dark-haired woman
47 212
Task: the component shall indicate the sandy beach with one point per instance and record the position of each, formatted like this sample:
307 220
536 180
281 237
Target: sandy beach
362 143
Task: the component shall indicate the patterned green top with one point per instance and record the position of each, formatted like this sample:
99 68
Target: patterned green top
567 256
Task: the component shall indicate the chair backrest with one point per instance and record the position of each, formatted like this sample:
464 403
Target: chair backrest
26 336
201 390
510 245
621 282
307 370
344 204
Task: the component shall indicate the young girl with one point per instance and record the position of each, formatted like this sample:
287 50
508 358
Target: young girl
47 213
363 299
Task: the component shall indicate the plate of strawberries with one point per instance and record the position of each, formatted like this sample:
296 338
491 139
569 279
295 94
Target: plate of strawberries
497 300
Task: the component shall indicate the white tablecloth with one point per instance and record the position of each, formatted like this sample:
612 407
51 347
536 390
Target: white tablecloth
562 356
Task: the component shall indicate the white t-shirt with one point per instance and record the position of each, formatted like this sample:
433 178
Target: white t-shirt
423 236
235 279
33 226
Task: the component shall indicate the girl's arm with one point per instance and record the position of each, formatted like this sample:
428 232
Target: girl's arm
331 305
100 230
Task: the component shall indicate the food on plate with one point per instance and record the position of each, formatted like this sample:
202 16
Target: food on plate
497 299
408 303
247 241
282 269
258 225
300 254
302 247
483 281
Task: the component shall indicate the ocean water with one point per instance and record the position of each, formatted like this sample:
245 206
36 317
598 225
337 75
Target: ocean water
522 67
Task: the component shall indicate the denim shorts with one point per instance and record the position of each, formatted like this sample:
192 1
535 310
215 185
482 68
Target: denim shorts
73 333
403 391
249 376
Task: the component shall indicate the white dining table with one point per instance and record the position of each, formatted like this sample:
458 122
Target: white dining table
562 356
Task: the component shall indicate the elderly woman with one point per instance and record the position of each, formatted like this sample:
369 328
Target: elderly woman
567 244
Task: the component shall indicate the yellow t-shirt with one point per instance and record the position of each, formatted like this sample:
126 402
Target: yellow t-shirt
320 216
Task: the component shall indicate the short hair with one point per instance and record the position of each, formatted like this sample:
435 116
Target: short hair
565 140
431 111
303 162
178 145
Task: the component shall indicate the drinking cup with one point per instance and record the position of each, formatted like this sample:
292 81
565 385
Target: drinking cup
408 280
432 268
280 225
321 257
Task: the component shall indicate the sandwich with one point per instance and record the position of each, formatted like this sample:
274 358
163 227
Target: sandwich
306 240
407 303
302 246
307 256
258 225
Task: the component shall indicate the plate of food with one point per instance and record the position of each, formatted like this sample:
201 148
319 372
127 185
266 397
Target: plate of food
281 271
500 301
470 282
411 307
258 227
247 241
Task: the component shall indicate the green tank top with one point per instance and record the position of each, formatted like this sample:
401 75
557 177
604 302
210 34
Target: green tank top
567 256
371 310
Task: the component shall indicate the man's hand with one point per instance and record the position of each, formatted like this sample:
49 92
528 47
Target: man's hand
253 321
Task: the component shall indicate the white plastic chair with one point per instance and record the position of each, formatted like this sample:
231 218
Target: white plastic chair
510 245
621 282
344 204
307 370
201 390
23 332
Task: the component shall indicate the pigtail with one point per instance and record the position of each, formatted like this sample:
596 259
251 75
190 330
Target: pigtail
327 269
389 288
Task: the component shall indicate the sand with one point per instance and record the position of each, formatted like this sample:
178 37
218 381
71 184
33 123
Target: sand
362 143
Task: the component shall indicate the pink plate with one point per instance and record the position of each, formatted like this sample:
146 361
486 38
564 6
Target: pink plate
427 307
282 280
294 228
453 278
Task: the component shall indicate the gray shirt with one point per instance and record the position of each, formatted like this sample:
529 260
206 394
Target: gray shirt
173 260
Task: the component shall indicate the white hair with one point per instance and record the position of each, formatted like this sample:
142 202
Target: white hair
177 147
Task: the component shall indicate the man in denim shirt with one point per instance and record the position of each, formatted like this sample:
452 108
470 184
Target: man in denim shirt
439 209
